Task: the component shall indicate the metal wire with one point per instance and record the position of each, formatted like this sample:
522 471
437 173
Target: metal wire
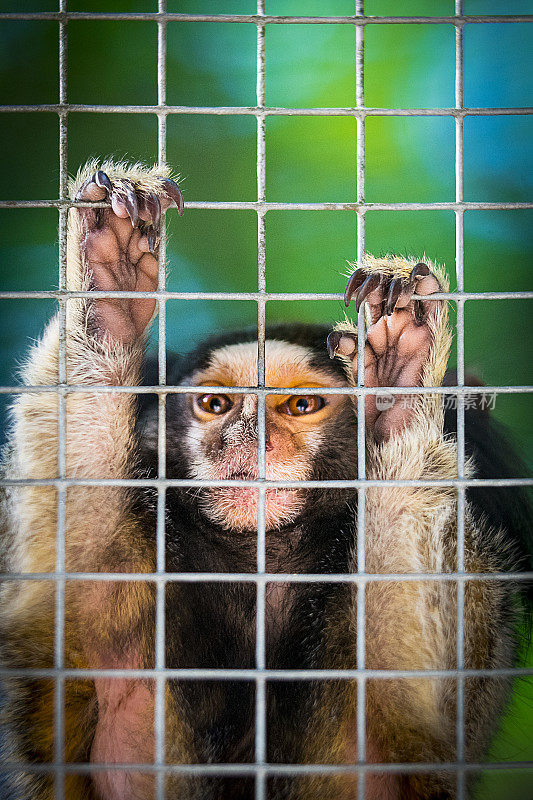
253 674
59 643
219 770
276 577
265 19
261 769
459 268
160 685
257 296
270 111
198 483
260 646
250 205
360 619
467 391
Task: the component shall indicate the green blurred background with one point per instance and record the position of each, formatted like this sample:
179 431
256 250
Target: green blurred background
308 159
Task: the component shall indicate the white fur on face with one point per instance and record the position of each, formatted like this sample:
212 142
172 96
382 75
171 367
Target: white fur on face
295 442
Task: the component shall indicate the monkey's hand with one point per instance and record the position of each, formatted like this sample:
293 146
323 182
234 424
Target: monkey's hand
118 245
407 341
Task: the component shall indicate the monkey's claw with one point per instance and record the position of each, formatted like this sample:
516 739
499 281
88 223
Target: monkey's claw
353 284
173 191
127 201
101 179
385 292
132 206
341 343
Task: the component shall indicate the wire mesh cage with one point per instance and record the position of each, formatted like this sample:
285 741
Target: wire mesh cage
261 770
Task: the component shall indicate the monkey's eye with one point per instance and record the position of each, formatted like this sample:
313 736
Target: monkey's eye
214 403
297 406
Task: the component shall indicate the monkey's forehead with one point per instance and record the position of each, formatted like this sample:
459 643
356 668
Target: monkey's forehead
286 364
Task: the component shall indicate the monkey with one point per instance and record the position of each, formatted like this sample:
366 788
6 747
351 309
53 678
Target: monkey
109 624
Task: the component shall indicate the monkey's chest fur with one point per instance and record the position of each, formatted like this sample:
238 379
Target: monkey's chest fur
212 625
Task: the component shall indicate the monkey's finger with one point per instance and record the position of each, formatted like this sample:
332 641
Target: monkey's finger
407 289
144 211
173 191
420 315
153 240
153 206
118 204
143 244
395 290
147 270
427 284
132 206
91 190
341 343
133 249
353 284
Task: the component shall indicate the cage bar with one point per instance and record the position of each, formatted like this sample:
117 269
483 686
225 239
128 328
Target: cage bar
221 770
183 389
361 445
272 674
254 206
160 684
283 296
271 111
258 484
459 270
275 577
59 641
260 648
265 19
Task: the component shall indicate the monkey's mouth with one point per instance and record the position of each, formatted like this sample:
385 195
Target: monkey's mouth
237 507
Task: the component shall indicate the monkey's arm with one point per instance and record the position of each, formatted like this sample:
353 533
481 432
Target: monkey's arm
411 624
108 249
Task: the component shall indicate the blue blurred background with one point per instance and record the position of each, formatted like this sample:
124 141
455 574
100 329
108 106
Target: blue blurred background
308 159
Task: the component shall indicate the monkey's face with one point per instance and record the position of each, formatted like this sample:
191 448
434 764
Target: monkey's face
222 436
